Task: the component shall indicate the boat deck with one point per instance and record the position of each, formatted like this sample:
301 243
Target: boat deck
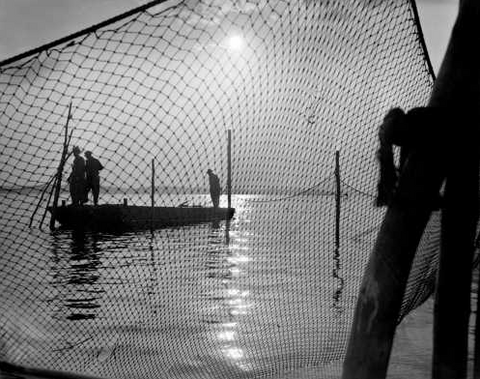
121 217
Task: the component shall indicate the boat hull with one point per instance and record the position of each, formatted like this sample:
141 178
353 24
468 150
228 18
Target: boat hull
127 217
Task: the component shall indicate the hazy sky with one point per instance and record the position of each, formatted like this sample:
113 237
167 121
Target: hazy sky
26 24
177 110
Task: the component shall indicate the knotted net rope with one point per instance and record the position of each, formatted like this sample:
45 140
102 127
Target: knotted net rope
272 290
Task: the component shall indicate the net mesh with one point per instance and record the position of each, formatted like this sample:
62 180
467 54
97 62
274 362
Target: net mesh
268 293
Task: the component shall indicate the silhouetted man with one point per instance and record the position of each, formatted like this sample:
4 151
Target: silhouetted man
77 179
92 168
214 188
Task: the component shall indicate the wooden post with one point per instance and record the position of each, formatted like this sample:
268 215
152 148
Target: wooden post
476 361
58 182
336 255
460 73
229 168
456 92
337 201
152 197
152 193
452 297
387 271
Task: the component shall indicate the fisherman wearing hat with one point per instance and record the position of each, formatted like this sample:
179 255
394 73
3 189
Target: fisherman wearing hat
92 168
214 188
77 178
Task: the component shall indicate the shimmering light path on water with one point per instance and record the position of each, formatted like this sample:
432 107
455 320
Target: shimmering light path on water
262 295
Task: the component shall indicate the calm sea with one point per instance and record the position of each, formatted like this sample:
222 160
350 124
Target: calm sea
265 294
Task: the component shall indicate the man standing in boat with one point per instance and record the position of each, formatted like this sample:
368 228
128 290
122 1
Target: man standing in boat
77 179
92 168
214 188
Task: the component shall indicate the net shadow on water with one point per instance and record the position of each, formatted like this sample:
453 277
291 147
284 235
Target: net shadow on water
161 85
213 299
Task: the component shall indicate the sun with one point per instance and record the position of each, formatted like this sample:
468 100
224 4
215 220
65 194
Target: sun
235 42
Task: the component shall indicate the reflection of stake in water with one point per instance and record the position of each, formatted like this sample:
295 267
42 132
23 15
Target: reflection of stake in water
336 269
153 280
336 274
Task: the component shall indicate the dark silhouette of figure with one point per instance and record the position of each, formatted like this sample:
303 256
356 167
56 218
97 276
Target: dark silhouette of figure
214 188
92 169
77 179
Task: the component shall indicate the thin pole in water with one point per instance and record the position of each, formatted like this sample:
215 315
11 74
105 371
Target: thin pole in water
337 200
152 196
229 168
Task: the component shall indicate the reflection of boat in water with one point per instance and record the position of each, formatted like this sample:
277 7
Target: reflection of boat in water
124 217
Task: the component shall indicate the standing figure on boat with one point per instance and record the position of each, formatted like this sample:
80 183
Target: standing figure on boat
214 188
92 168
77 179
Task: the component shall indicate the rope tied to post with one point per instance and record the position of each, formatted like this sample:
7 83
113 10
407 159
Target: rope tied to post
416 129
389 134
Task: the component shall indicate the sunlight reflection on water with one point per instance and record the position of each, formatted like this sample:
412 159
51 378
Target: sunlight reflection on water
253 295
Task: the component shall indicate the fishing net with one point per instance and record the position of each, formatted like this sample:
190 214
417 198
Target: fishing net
301 86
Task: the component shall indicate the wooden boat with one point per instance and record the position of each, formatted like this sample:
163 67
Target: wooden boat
131 217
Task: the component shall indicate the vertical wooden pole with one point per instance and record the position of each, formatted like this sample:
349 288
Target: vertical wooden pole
460 73
456 93
229 168
336 254
58 182
152 197
387 271
452 297
152 193
337 201
476 362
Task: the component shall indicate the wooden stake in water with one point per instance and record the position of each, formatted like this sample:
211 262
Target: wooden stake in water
152 195
58 183
229 168
336 255
337 201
